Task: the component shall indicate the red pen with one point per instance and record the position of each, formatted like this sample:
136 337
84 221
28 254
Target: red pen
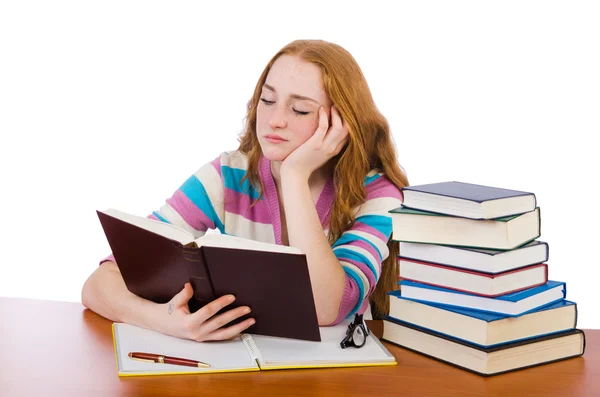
157 358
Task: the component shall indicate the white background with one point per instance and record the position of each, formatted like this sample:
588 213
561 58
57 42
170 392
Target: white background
116 103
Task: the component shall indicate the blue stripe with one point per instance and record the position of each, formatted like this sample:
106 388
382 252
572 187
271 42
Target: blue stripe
345 253
352 274
371 178
156 214
194 190
231 180
379 222
349 238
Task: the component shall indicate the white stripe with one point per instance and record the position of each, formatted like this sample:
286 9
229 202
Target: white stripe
239 226
381 246
234 159
365 253
169 213
211 180
361 275
378 206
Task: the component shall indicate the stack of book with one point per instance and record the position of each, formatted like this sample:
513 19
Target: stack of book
474 289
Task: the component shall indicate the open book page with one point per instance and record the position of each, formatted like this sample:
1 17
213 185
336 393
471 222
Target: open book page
228 241
223 356
163 228
283 352
184 237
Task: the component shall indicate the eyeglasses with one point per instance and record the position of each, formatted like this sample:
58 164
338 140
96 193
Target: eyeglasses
356 334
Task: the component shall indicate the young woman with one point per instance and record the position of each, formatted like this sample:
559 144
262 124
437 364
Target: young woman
316 169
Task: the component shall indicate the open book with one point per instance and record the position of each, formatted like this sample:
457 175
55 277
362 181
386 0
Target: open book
245 353
156 259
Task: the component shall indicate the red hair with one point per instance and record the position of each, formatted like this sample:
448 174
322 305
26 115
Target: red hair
370 145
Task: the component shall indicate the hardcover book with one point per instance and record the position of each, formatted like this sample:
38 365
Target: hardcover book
481 328
156 259
513 304
477 283
468 200
486 360
477 259
501 234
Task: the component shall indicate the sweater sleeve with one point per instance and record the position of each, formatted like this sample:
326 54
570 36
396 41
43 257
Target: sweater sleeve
197 205
362 248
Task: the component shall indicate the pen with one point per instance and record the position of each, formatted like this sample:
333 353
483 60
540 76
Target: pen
157 358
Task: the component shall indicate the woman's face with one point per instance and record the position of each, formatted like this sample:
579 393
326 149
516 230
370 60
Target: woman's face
287 113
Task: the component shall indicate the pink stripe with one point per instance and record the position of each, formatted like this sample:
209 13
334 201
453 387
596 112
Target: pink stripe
366 246
365 270
111 257
239 203
152 216
325 202
217 164
382 187
191 214
349 299
363 227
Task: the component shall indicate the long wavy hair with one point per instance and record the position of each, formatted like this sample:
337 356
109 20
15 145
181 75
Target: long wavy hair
370 146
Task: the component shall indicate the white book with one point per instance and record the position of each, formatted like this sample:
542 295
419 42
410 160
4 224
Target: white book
244 353
477 259
477 283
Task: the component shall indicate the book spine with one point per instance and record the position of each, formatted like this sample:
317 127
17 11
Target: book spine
199 276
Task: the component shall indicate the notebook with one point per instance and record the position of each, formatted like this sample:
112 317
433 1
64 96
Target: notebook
245 353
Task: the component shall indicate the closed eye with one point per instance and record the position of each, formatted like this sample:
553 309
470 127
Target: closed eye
269 103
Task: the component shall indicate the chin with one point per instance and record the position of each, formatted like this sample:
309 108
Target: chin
273 153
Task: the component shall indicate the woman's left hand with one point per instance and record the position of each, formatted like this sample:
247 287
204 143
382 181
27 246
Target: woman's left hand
324 144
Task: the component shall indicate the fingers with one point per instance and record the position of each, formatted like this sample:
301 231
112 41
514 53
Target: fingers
204 325
323 126
223 319
338 135
184 295
232 331
207 311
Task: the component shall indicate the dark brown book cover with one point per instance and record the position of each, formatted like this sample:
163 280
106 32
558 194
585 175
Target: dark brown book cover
489 349
276 286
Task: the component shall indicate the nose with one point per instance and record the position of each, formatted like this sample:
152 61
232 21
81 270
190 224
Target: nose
277 118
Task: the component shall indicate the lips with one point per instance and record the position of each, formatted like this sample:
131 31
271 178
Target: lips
274 138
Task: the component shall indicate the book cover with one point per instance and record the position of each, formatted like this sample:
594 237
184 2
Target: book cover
486 361
469 281
505 233
275 285
513 304
481 328
477 259
468 200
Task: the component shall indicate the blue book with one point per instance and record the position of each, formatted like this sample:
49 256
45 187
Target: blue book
482 328
513 304
468 200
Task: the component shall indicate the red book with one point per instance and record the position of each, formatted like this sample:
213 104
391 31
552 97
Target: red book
477 283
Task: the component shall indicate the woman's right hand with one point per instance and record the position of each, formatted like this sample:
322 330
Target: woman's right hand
175 318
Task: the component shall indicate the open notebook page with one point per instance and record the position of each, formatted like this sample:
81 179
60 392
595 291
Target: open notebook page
282 352
222 356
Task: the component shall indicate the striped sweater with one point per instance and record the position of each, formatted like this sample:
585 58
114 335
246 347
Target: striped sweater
215 198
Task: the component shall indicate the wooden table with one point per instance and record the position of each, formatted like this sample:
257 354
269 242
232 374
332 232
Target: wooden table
62 349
